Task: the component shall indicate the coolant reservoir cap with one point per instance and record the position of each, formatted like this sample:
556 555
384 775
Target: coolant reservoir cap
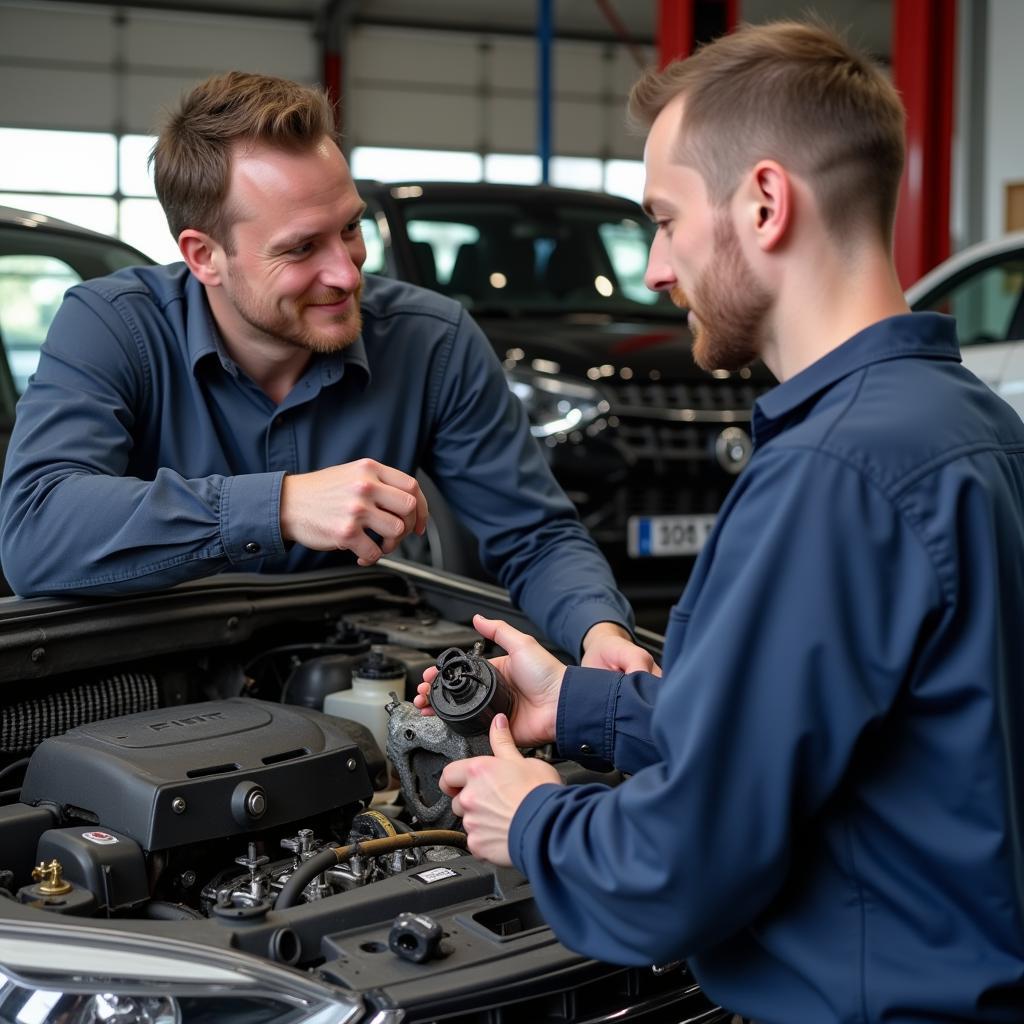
377 665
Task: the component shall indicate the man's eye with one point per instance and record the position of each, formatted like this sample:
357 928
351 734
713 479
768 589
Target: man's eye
353 227
301 250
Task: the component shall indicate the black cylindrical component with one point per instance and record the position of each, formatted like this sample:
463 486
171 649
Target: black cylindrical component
415 937
311 681
468 692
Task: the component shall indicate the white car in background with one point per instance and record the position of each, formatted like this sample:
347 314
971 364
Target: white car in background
983 287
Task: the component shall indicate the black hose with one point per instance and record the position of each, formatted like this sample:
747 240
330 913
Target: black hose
13 767
162 910
320 862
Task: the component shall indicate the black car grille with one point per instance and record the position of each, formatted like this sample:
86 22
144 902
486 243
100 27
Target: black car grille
734 395
666 426
631 995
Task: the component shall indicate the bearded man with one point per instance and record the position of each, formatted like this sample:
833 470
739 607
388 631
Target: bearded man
823 812
262 407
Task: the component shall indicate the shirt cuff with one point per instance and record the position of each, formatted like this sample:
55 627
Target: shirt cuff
250 516
585 721
532 803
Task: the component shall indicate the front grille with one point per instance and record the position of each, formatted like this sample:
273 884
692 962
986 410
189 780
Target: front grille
711 395
662 427
632 995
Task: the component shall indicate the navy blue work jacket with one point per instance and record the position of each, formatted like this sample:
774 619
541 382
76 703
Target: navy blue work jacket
142 456
826 812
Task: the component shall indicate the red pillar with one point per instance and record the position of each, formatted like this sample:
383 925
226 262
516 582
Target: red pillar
675 30
684 24
923 72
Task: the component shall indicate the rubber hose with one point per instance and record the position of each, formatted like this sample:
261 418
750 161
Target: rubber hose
308 870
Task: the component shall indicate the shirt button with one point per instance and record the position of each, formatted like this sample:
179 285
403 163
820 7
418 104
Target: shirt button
586 748
252 548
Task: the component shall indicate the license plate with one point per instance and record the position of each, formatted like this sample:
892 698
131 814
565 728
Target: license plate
659 536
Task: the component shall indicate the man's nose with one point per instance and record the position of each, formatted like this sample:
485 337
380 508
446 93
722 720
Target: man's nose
340 270
659 276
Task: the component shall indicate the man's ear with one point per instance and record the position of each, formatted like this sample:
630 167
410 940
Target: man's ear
768 200
203 255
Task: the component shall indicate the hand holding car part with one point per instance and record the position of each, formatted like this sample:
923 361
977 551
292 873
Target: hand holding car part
534 675
486 791
333 508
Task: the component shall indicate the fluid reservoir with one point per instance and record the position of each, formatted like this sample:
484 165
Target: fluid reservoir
373 679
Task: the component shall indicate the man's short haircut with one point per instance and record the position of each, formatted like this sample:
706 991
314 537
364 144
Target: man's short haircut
192 156
795 93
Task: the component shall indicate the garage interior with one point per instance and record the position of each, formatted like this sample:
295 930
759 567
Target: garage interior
491 148
520 92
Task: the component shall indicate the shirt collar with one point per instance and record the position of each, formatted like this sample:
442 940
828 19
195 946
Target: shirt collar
203 339
920 335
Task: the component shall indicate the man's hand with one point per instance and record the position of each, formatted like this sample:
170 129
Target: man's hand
333 508
487 791
609 645
527 668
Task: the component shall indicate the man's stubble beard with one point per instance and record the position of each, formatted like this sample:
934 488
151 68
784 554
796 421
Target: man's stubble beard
288 326
730 306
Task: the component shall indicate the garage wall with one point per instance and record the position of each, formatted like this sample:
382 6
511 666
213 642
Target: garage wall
451 91
91 68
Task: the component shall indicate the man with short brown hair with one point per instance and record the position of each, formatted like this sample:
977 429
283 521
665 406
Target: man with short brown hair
823 808
263 407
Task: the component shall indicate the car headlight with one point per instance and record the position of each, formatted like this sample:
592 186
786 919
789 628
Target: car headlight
56 973
556 405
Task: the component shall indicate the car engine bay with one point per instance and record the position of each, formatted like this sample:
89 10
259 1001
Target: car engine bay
204 793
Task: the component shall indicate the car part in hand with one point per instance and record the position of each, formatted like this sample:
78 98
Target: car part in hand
468 691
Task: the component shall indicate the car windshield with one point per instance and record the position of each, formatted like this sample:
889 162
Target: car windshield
534 255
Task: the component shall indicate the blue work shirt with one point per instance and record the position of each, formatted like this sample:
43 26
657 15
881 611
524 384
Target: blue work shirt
825 814
143 456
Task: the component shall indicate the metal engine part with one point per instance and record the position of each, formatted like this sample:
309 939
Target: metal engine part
419 747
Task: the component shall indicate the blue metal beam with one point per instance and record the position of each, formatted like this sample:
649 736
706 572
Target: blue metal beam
545 36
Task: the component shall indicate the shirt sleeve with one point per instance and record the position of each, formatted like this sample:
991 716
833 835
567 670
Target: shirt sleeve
71 519
491 470
795 639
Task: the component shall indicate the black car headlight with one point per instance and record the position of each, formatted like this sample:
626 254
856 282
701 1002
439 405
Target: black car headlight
66 975
556 405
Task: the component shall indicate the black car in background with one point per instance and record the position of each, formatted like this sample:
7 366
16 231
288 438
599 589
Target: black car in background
644 442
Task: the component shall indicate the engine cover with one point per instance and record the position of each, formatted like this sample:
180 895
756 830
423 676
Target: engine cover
198 772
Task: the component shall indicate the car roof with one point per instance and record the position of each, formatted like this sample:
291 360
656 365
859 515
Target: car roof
494 191
12 217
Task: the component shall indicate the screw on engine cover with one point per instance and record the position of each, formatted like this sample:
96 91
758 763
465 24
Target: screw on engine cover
187 879
351 764
233 622
38 654
178 805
